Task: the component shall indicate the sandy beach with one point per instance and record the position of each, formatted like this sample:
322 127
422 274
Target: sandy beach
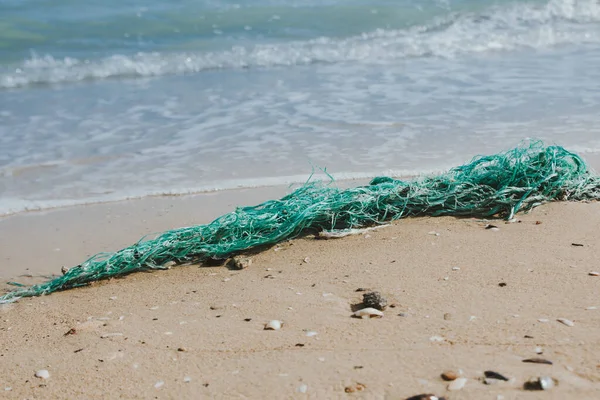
460 297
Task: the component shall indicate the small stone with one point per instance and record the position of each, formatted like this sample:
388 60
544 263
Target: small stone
426 396
457 384
491 227
539 350
449 375
502 284
455 268
565 321
594 273
64 270
306 260
537 360
158 384
240 262
374 300
182 349
311 333
591 308
436 339
543 320
447 316
43 374
495 375
187 379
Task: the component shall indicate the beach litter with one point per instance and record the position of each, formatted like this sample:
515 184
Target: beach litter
496 186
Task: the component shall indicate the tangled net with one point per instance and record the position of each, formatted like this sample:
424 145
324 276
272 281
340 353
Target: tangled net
498 185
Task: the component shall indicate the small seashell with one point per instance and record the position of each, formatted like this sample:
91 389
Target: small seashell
273 325
43 374
492 227
449 375
368 312
457 384
594 273
592 308
436 339
565 321
543 320
306 260
433 233
108 335
539 350
64 270
426 396
447 316
311 333
158 384
187 379
455 268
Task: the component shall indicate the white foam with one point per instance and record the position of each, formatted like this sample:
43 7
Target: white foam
11 206
511 27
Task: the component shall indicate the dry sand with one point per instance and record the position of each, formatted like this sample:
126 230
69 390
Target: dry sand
199 330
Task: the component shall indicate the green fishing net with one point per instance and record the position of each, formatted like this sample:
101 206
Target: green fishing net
498 185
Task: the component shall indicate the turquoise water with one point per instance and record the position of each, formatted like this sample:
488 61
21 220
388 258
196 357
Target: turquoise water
102 102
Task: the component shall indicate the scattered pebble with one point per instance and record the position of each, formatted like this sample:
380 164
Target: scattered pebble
594 273
502 284
187 379
182 349
374 300
306 260
368 313
158 384
240 262
43 374
540 383
537 360
565 321
425 397
108 335
273 325
447 316
113 297
457 384
495 375
539 350
433 233
449 375
358 387
455 268
491 227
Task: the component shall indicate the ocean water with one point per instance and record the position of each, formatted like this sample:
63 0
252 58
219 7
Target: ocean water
130 98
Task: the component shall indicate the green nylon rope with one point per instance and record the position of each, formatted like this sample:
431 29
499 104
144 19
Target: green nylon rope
498 185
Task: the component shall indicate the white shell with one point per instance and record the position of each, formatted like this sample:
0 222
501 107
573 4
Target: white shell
43 373
457 384
594 273
368 313
159 384
565 321
546 383
273 325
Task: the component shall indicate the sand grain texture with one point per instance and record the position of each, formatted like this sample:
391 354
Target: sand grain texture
189 323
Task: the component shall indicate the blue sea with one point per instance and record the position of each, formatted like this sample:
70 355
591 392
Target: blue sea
103 101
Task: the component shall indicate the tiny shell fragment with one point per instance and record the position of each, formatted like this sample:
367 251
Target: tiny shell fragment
43 374
368 312
240 262
273 325
457 384
565 321
594 273
425 397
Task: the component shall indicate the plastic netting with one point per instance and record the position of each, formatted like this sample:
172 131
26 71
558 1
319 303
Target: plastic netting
498 185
